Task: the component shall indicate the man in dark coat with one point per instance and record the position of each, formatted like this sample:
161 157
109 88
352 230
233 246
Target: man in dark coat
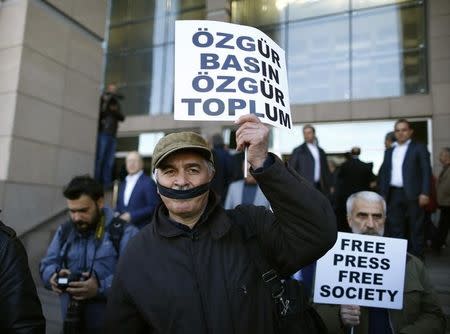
20 307
110 115
190 270
404 182
223 167
310 161
353 176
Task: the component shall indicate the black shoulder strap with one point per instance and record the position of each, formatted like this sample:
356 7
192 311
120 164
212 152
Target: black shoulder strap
8 230
66 228
268 275
116 229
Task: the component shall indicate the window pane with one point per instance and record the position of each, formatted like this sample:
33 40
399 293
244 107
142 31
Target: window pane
258 12
136 100
387 52
169 80
184 5
119 11
115 69
191 15
358 4
127 144
158 77
117 39
318 60
141 35
139 67
305 9
145 8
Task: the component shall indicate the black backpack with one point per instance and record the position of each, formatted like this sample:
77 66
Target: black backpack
115 230
295 313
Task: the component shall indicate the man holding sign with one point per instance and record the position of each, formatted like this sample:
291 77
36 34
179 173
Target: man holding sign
190 270
421 313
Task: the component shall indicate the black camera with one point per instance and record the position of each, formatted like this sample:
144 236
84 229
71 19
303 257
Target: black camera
63 281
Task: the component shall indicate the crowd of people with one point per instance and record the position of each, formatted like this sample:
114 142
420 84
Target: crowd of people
182 251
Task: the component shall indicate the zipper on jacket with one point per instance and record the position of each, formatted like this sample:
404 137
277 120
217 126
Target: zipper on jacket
194 238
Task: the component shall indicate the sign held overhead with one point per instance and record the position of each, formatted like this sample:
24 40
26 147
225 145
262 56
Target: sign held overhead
225 70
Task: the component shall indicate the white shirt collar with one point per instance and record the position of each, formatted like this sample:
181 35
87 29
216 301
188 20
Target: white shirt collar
395 144
134 176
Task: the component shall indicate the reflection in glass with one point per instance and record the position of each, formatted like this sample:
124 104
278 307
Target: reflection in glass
115 69
139 67
157 78
136 99
386 56
258 12
168 80
345 49
305 9
140 51
119 11
117 39
318 60
360 4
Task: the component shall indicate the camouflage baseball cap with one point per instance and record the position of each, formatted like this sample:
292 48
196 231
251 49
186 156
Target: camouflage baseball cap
180 141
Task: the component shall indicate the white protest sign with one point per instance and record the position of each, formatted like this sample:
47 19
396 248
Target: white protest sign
225 70
362 270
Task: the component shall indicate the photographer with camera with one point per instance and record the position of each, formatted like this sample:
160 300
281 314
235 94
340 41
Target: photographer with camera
109 118
81 259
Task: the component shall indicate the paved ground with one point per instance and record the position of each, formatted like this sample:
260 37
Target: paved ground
439 271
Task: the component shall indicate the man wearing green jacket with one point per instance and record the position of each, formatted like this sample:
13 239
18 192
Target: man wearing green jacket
421 313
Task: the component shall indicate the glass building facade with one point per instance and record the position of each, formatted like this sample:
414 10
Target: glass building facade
337 50
139 54
340 50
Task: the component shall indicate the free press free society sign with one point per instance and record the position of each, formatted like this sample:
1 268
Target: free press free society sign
362 270
224 70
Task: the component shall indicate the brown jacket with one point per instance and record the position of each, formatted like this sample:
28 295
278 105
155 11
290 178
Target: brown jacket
443 187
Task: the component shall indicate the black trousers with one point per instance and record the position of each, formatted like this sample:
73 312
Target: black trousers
405 219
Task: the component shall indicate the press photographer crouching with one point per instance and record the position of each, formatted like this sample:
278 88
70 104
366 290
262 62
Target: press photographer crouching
82 257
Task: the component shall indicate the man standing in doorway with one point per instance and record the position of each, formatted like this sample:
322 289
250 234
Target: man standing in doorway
109 118
404 182
310 161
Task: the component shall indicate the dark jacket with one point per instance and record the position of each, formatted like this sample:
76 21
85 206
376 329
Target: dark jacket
110 114
421 312
416 171
20 308
143 201
302 161
353 176
174 280
223 172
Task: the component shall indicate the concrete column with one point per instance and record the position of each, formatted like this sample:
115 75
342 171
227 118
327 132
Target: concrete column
51 69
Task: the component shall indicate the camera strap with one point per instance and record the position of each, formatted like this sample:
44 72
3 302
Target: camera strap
99 234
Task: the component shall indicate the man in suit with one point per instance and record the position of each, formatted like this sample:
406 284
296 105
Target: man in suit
137 197
404 182
353 176
310 161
